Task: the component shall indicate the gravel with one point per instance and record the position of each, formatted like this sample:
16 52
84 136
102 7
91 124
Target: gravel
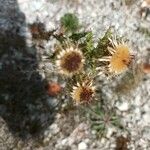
71 131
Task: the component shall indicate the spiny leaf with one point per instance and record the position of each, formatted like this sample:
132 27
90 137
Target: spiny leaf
78 36
103 43
89 42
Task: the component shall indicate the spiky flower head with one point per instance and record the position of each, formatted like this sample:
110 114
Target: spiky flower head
70 61
119 60
83 93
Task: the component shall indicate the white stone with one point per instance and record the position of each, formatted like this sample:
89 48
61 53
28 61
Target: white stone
52 102
87 141
93 132
123 106
71 141
103 141
146 133
137 100
64 141
137 110
113 145
54 128
46 140
110 131
146 118
82 146
58 115
146 108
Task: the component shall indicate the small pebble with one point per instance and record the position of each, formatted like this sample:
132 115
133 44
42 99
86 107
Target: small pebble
82 146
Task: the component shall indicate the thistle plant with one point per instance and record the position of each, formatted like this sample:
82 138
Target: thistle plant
81 59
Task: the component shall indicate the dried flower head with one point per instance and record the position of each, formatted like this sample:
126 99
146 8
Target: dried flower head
70 61
83 93
119 60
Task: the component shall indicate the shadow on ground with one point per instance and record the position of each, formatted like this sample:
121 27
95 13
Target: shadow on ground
22 91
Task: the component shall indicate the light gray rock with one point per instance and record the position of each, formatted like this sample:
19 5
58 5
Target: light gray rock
124 106
82 146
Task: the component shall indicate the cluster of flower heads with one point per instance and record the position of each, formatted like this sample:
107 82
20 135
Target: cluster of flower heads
71 60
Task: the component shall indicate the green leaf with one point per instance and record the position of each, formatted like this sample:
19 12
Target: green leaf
103 43
78 36
70 22
89 42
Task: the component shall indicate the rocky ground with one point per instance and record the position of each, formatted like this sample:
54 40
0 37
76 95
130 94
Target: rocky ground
30 119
